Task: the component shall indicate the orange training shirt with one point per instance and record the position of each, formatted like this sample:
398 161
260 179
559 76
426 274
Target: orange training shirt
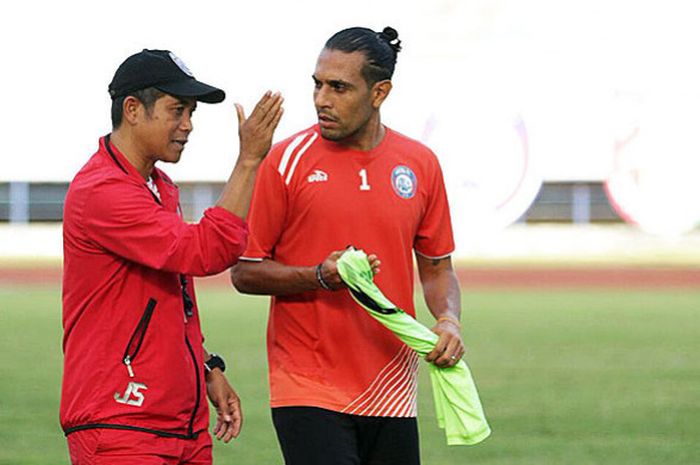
313 196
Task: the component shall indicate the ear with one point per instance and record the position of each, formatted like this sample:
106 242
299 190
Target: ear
380 91
132 110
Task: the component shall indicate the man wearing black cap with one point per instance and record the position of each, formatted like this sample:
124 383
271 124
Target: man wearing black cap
135 370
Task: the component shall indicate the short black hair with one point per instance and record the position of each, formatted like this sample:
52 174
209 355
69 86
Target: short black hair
380 49
146 96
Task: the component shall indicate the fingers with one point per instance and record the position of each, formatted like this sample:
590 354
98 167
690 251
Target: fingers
233 424
374 263
220 428
256 131
277 118
229 421
336 254
272 109
267 109
241 115
237 418
436 352
450 356
229 434
329 270
264 99
224 421
448 351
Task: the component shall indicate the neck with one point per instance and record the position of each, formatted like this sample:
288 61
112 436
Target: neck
134 152
367 137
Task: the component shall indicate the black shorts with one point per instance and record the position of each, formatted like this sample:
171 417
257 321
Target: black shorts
315 436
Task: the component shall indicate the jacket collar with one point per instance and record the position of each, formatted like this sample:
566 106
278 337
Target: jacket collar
119 159
109 149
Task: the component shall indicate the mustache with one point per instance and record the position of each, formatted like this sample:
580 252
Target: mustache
326 116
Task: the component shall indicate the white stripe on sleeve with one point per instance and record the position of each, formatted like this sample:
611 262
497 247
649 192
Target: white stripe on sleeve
288 153
298 157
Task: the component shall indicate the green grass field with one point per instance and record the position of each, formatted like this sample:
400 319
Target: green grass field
565 377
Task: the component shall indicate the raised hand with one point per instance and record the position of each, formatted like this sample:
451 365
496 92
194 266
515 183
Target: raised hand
255 132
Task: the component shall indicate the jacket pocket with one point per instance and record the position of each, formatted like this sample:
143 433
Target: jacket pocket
134 345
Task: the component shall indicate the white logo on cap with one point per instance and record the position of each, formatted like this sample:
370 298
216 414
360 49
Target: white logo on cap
181 64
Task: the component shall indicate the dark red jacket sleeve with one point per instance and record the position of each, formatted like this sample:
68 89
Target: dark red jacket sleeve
125 220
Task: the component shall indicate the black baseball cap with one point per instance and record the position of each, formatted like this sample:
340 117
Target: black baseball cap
164 71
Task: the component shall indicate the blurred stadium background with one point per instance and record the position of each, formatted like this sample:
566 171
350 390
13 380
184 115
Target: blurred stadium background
567 134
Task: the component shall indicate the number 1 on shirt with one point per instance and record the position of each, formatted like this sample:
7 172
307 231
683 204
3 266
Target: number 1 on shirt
363 175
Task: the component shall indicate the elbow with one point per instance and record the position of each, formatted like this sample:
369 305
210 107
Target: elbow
238 279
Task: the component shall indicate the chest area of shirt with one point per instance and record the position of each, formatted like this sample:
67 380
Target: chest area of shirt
391 189
164 194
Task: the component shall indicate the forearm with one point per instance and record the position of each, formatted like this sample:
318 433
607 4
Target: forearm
206 357
255 136
442 296
273 278
440 288
238 191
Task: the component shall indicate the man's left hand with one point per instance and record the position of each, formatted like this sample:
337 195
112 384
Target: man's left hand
229 416
449 348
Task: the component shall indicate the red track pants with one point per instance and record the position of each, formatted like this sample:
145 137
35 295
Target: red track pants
122 447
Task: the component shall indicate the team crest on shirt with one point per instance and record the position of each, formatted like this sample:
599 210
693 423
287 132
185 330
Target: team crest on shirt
404 182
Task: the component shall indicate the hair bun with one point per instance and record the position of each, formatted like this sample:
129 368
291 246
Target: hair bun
391 37
390 33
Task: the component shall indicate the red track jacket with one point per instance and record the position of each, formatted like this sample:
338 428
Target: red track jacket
133 356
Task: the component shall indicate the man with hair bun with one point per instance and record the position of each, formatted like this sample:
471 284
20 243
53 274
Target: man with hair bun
343 387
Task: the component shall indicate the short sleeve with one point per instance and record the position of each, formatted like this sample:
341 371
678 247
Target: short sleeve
434 237
267 215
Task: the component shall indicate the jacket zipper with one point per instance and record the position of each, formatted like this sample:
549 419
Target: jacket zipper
134 345
187 306
187 303
190 428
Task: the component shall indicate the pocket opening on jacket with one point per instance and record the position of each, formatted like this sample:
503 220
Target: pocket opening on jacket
136 339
